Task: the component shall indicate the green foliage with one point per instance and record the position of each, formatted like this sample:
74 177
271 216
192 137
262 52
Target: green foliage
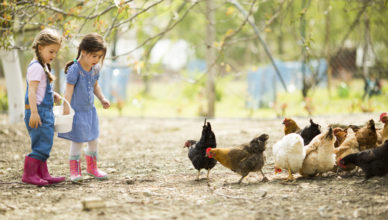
278 22
177 99
3 100
194 87
343 90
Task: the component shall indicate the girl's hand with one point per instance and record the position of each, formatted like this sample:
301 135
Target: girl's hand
66 109
105 103
57 98
34 120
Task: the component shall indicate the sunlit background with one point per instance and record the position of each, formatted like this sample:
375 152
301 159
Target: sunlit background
330 56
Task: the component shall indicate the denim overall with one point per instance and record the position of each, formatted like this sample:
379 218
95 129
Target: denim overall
41 137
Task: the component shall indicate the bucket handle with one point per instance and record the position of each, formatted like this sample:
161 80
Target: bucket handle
67 102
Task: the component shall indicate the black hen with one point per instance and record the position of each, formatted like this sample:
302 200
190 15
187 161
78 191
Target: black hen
309 132
197 150
373 162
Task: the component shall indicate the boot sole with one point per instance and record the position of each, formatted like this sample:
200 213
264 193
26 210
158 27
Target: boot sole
78 179
55 182
99 178
44 184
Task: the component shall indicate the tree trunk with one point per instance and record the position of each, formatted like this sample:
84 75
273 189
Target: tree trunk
303 34
57 70
327 46
15 91
365 68
210 58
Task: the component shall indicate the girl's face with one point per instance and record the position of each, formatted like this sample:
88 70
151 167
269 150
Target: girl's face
92 58
48 52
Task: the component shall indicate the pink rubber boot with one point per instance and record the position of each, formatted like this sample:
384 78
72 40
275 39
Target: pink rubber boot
75 168
31 172
91 169
44 174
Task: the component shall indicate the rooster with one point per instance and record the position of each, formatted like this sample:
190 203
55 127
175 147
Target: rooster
289 154
319 155
197 150
242 159
373 162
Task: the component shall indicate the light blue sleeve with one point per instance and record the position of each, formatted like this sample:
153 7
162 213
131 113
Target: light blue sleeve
72 74
97 69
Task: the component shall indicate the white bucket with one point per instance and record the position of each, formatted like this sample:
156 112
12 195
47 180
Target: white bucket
63 123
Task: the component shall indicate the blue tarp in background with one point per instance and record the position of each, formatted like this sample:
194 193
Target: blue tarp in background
113 82
264 82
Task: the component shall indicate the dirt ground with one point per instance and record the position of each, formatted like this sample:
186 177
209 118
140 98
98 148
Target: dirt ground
151 177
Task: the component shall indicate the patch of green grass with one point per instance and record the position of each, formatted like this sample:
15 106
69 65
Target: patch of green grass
184 99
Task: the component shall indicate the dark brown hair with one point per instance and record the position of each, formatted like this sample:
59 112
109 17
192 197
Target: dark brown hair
90 43
44 38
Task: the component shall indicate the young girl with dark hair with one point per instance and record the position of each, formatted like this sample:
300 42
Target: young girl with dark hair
82 84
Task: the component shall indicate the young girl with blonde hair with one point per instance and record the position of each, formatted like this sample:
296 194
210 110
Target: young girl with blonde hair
39 101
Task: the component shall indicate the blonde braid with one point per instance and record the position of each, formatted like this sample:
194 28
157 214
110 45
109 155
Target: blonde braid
46 67
44 38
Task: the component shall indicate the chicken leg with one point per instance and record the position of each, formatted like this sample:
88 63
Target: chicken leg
239 182
198 175
265 179
208 172
290 176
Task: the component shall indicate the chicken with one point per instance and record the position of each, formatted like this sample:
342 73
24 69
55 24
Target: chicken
367 136
290 126
384 132
197 151
242 159
355 128
373 161
308 133
349 146
319 155
340 135
289 154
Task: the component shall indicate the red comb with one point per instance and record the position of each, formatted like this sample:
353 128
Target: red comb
207 151
382 115
278 170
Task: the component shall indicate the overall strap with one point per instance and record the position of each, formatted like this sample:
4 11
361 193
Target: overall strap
26 96
48 100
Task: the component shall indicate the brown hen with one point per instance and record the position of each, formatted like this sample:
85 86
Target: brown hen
367 136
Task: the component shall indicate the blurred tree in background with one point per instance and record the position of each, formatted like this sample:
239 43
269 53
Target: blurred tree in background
292 30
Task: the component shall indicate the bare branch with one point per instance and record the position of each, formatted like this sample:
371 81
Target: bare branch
276 14
161 33
355 22
148 52
230 36
140 12
60 11
111 27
